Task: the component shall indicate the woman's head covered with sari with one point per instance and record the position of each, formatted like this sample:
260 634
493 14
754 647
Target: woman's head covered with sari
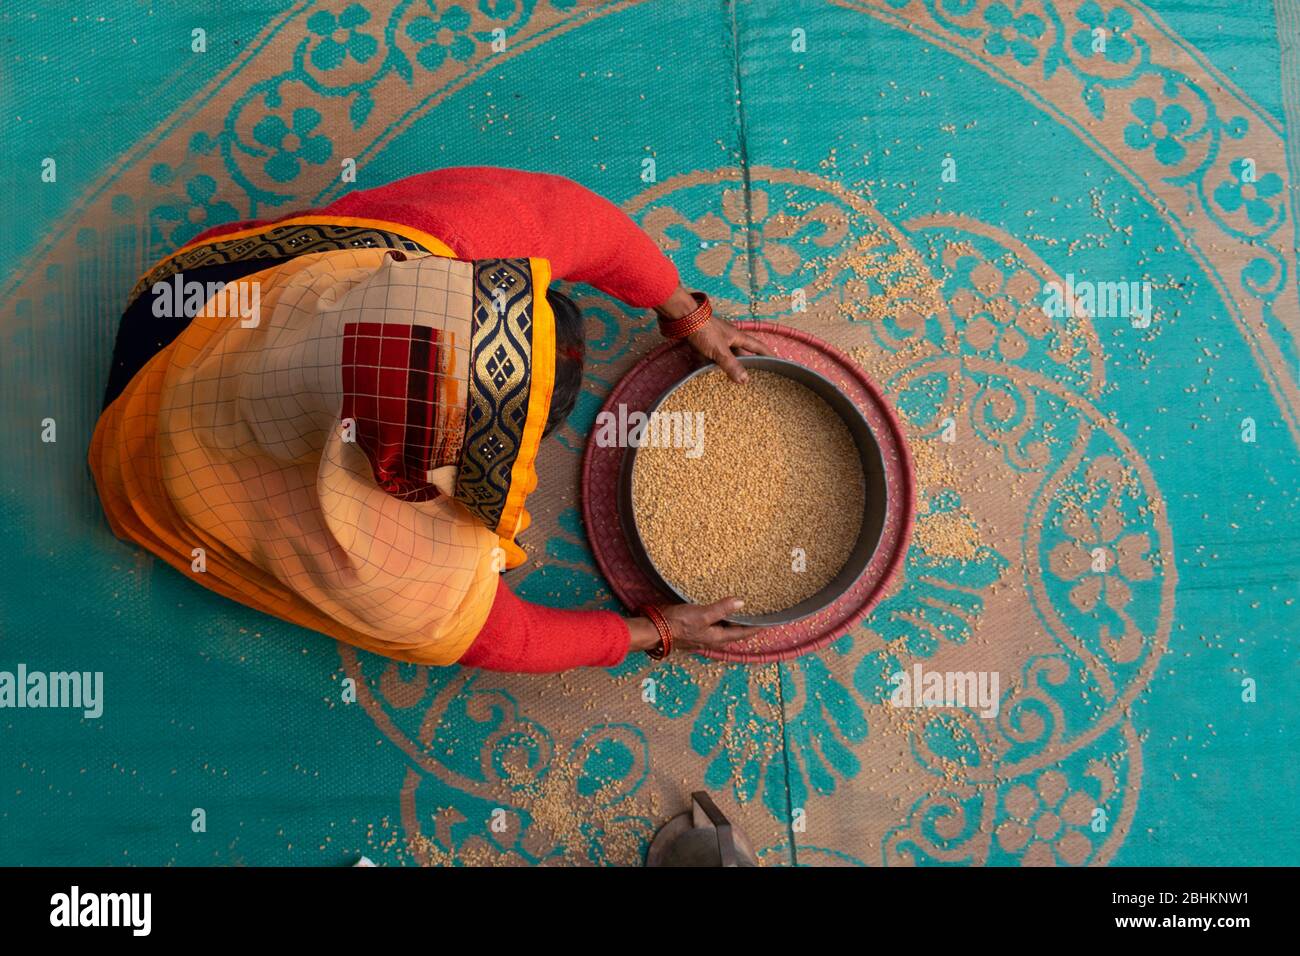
353 456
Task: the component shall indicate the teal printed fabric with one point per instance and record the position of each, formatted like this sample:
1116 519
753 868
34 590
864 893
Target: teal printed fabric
1061 236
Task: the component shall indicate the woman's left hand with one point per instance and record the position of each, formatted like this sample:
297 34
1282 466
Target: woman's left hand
718 341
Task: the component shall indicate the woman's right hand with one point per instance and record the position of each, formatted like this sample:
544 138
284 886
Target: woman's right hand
695 627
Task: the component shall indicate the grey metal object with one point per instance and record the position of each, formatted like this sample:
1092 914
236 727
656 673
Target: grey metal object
873 516
702 836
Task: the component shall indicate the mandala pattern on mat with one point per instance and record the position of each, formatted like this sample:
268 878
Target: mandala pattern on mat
1044 550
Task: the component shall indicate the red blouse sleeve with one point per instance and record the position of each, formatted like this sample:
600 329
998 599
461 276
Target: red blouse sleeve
531 639
484 211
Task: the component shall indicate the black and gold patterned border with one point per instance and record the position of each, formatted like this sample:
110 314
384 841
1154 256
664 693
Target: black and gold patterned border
499 382
276 242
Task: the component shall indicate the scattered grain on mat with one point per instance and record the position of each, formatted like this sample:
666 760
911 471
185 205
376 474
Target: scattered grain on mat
951 531
947 534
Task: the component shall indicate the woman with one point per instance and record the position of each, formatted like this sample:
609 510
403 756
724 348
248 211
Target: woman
333 417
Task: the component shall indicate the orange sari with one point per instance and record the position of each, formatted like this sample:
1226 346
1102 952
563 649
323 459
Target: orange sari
270 458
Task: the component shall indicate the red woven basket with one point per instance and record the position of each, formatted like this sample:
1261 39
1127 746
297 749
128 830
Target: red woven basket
653 375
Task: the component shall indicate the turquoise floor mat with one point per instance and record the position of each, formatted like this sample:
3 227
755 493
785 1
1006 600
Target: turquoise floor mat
902 178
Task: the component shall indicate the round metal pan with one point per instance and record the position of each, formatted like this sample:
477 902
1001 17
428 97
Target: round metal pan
873 470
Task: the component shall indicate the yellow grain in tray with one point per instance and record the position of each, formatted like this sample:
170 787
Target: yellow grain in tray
777 486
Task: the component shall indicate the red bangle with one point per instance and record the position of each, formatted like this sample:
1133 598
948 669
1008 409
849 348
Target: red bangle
691 322
665 646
